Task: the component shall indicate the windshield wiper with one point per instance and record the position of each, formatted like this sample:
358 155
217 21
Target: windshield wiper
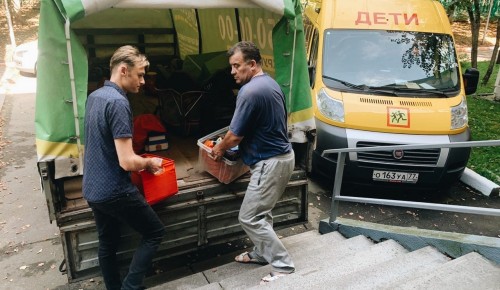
436 92
363 88
345 83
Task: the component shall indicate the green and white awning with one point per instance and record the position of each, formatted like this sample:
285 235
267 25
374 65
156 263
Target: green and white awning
82 8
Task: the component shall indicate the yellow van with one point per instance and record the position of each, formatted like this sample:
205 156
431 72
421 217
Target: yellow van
386 72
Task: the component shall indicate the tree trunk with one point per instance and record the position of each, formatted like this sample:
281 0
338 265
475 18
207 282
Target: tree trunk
9 23
475 23
487 75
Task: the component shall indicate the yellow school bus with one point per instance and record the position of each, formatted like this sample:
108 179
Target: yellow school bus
386 72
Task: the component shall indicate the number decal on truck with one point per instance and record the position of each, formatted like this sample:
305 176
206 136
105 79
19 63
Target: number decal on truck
226 28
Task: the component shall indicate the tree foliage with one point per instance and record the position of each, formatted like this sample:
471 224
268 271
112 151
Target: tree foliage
9 22
473 10
493 59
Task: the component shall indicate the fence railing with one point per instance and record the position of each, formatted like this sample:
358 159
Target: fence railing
339 173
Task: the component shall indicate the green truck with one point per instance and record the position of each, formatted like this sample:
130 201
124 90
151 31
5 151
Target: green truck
76 39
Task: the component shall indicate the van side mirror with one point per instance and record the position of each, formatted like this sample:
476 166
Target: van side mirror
471 79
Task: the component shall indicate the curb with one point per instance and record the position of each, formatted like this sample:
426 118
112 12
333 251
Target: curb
452 244
2 98
480 183
7 74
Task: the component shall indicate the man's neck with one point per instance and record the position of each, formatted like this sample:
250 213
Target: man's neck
259 73
117 81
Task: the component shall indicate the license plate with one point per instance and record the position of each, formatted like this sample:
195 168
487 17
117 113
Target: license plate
394 176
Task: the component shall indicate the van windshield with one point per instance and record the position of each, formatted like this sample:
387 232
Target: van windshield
398 62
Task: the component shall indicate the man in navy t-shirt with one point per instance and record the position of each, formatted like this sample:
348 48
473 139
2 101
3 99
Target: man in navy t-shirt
259 128
108 159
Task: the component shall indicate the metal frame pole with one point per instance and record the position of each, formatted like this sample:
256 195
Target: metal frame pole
339 173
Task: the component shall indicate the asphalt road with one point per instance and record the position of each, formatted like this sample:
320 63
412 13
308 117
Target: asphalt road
30 249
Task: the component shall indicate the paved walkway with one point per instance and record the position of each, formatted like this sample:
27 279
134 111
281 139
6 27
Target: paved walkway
3 85
12 83
483 53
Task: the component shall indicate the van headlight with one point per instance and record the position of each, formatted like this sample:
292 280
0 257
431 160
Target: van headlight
330 108
459 117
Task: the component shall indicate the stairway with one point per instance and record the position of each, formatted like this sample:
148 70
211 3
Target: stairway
331 261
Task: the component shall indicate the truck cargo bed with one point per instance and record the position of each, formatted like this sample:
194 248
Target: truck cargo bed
203 213
184 152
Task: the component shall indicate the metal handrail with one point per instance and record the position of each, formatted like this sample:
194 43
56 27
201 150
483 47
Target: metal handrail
339 173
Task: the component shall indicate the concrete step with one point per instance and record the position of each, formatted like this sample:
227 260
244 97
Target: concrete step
471 271
211 286
152 282
193 281
310 243
425 268
294 244
309 259
378 276
300 237
230 268
321 275
331 261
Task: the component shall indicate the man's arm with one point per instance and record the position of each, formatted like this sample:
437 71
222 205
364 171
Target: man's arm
229 141
130 161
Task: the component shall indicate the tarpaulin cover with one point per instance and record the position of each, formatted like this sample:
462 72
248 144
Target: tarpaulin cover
274 25
201 66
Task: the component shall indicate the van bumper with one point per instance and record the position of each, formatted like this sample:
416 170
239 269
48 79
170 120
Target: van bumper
445 170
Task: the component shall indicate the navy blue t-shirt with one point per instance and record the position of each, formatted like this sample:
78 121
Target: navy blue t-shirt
260 117
107 117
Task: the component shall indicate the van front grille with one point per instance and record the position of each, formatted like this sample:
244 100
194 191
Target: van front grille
415 104
401 103
375 101
415 157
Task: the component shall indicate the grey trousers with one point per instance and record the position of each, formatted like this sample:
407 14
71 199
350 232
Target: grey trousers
267 184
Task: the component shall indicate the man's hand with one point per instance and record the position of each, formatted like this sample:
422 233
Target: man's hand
229 141
216 154
154 165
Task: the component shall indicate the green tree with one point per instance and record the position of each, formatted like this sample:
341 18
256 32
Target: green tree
473 10
493 59
9 22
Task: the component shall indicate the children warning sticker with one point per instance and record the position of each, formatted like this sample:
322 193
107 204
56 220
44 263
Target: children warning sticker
398 117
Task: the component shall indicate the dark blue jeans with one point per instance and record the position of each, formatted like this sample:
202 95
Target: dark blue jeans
132 210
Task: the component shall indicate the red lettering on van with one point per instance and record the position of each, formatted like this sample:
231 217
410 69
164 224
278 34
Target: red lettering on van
396 17
385 18
412 17
366 17
379 18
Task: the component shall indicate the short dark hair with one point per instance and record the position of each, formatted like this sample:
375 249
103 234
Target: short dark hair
249 50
